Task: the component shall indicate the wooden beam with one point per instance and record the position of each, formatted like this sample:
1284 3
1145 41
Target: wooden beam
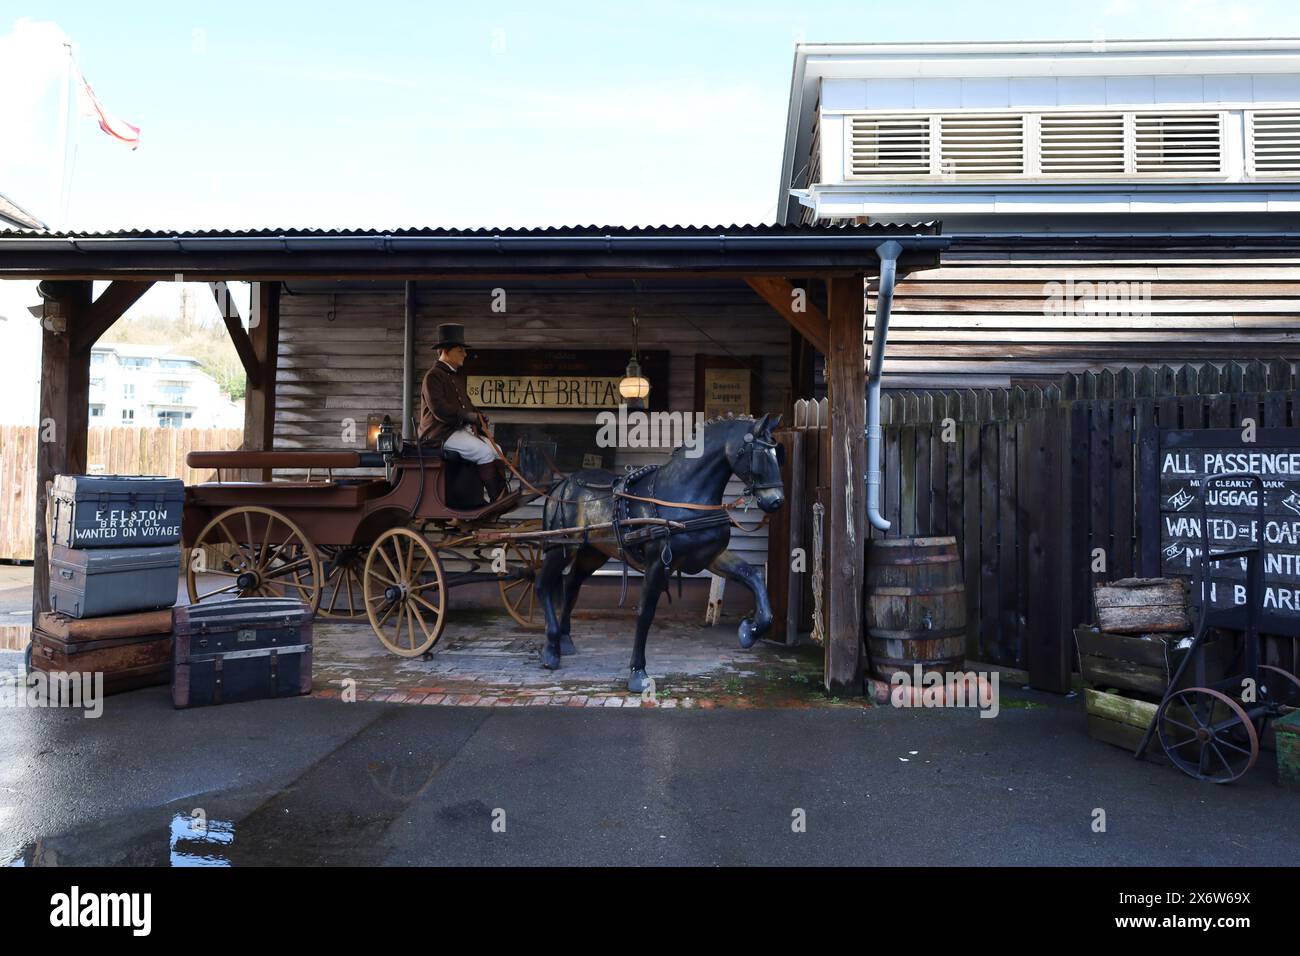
847 379
99 317
409 386
779 293
259 399
64 418
243 344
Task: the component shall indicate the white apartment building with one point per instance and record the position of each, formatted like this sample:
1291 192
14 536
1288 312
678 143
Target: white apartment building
150 385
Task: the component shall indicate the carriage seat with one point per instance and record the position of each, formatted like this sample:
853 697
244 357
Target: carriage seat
323 460
427 450
348 493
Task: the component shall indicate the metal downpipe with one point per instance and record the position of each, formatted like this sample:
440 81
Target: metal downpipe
888 252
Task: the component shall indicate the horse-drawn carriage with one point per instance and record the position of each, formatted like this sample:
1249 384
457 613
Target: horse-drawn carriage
358 546
371 545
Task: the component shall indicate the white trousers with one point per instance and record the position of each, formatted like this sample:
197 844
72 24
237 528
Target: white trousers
469 446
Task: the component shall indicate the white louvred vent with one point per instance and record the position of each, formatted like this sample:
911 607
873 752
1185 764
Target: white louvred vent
1081 144
889 146
988 145
1060 145
1177 142
1274 138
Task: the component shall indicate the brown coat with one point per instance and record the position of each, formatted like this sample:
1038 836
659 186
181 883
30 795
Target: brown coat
444 403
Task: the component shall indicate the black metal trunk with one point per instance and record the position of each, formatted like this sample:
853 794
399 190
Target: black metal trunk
247 649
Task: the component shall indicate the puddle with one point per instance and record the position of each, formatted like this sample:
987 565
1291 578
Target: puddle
198 841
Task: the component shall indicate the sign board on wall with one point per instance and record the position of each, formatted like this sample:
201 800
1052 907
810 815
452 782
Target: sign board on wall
727 384
726 390
1186 458
559 379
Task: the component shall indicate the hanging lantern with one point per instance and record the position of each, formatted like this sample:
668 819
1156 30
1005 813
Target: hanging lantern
634 387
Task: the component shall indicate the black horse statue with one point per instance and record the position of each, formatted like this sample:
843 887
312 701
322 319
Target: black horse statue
696 539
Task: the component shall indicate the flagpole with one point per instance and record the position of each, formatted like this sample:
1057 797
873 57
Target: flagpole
74 138
64 102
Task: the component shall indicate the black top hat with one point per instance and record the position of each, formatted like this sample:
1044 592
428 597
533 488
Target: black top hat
450 335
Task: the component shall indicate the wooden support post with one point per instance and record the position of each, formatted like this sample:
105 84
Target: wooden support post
847 518
64 414
408 364
798 537
259 399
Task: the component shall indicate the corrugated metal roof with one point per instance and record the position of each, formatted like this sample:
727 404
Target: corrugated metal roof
763 229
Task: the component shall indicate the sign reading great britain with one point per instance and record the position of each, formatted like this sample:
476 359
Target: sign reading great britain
558 379
1186 459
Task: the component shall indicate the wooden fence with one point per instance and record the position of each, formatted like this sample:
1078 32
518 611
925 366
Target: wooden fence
110 451
1032 480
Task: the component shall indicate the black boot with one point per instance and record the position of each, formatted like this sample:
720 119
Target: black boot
494 483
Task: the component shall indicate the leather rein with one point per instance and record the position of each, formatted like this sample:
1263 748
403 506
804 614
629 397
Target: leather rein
754 443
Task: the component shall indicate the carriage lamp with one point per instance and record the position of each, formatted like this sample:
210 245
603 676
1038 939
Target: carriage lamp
634 387
385 437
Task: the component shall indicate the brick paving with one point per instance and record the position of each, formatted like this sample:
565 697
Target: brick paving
484 659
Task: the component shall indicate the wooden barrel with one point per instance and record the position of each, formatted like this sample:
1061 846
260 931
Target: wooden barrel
915 605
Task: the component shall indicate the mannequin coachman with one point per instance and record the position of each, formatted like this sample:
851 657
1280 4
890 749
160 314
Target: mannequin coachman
448 417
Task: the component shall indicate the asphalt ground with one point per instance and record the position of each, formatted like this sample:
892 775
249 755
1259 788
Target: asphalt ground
323 782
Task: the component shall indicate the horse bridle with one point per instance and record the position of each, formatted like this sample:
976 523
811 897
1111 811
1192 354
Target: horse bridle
755 443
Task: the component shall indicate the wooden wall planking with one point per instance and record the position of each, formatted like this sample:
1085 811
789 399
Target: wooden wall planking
986 314
341 353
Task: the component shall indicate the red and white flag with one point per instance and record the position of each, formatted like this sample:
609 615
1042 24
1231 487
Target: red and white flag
113 125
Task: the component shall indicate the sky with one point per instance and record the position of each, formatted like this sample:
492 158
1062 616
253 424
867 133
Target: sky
390 114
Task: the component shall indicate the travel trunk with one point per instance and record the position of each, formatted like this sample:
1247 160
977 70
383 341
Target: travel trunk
245 649
126 662
92 583
116 511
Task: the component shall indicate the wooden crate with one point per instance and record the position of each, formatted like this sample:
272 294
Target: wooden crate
1122 721
1287 743
1142 605
1141 663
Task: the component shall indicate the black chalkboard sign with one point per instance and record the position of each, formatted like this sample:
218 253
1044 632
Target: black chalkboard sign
1186 458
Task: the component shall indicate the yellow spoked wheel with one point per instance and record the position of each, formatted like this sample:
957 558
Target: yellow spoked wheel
404 592
523 561
344 594
259 553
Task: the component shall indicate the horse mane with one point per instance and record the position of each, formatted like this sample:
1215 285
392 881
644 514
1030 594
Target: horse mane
726 419
716 419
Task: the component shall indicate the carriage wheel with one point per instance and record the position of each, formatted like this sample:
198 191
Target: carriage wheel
523 561
404 592
1284 691
1207 735
269 557
344 569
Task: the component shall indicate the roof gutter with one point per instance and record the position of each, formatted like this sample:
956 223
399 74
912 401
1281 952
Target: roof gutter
720 242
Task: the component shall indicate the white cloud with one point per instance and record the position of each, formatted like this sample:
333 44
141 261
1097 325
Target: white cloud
31 68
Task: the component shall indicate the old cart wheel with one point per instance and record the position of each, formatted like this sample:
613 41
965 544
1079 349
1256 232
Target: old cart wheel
404 592
1283 689
523 560
1207 735
268 556
344 594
